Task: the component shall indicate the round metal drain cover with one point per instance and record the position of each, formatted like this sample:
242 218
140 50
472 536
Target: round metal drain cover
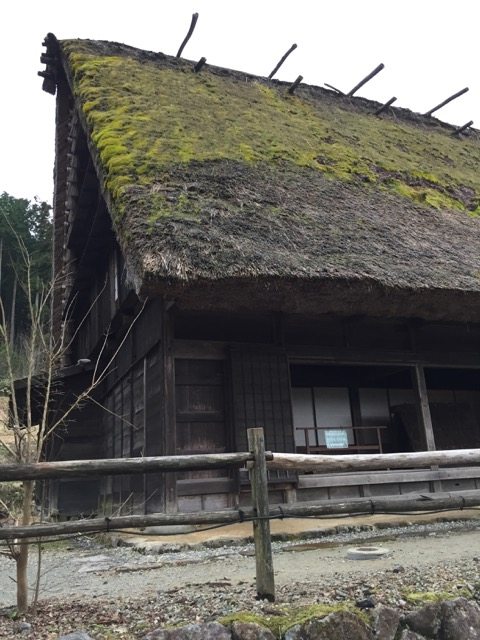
367 552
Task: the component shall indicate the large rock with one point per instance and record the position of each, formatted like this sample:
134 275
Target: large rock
427 620
408 634
460 620
340 625
204 631
385 622
250 631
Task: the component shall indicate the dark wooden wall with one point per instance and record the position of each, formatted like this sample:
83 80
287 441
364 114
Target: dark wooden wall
261 396
175 387
79 436
134 416
202 426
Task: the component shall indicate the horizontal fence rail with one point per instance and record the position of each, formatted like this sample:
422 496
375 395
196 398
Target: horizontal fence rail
323 463
93 525
121 466
258 461
365 506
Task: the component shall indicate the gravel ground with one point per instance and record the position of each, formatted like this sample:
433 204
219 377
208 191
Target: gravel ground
122 592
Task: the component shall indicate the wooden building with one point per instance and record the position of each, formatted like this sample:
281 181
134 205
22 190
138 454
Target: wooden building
250 257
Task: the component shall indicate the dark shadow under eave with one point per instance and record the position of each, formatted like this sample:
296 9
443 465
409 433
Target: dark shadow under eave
355 297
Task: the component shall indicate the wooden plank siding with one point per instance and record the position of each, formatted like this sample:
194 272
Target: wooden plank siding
134 420
79 437
153 424
201 427
177 389
261 398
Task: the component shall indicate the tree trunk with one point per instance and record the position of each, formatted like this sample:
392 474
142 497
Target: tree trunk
22 558
12 313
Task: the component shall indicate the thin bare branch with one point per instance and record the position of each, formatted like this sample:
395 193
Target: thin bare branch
112 413
85 316
7 448
84 395
122 342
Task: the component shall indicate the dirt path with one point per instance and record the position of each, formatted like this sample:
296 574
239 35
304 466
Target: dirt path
95 571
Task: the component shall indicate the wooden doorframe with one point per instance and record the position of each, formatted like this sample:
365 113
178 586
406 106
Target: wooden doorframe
169 421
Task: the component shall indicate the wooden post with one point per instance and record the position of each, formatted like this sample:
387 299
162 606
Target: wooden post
261 528
282 60
294 85
442 104
423 409
189 34
424 415
463 128
371 75
385 106
169 437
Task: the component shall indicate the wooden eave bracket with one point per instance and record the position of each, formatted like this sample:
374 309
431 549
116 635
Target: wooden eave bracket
51 59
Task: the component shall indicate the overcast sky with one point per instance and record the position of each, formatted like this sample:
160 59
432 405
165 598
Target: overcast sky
429 48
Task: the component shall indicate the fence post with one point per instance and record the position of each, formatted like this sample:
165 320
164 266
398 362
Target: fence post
261 528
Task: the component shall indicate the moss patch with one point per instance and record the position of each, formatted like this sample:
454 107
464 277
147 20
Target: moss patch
290 617
428 597
144 116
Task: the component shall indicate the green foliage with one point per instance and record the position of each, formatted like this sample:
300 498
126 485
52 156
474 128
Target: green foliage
144 118
24 226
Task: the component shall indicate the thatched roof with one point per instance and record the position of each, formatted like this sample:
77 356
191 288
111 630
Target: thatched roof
221 179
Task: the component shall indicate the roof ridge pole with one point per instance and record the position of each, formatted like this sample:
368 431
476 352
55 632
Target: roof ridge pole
189 34
294 85
385 106
330 86
461 129
199 64
371 75
442 104
282 60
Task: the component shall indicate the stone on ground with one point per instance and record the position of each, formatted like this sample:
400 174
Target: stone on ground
385 622
204 631
340 625
250 631
460 620
427 620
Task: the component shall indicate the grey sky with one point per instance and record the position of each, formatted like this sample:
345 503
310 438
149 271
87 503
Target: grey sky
429 48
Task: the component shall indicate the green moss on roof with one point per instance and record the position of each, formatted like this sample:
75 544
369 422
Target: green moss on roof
145 116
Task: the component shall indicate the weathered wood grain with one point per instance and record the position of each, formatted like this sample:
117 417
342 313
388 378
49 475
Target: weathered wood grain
388 504
261 527
369 462
119 466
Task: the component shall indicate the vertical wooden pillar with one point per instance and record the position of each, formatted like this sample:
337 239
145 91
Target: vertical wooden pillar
424 415
169 435
356 413
145 382
423 409
261 528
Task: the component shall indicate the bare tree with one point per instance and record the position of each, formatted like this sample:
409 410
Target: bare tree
31 419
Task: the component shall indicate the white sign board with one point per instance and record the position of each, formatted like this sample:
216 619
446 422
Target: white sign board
336 438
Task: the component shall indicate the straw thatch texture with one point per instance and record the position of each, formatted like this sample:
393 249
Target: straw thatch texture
220 179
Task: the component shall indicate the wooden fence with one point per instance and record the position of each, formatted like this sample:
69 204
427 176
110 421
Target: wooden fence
260 513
